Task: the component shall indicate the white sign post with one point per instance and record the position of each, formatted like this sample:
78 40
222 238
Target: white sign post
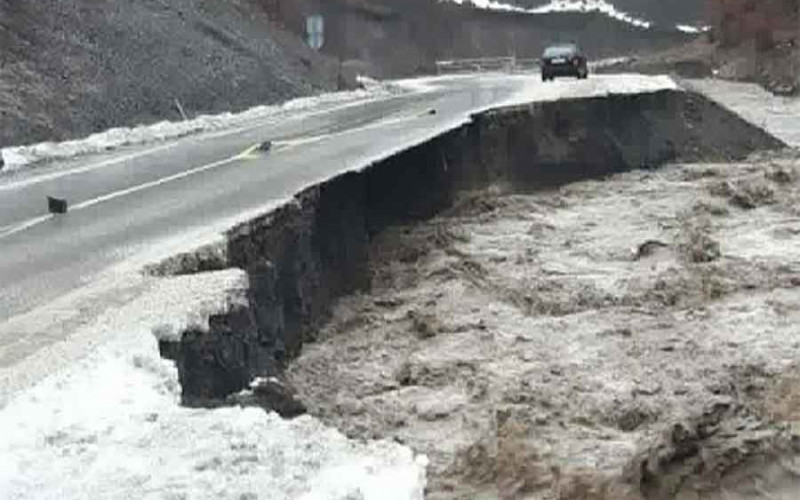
315 30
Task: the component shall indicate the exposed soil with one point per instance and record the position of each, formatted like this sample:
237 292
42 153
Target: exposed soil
632 337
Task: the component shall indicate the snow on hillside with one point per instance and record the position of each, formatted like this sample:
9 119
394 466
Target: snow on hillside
562 6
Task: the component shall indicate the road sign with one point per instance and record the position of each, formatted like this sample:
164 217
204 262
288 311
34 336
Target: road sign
315 31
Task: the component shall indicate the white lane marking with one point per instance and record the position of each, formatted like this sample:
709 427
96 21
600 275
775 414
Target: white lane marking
163 180
25 225
88 168
248 154
124 192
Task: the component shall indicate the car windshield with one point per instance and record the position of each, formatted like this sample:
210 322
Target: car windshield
560 51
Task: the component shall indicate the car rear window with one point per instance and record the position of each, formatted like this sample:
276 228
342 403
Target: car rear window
560 51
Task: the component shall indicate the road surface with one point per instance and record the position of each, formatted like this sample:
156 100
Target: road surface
53 269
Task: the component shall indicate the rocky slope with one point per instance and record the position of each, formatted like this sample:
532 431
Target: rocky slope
72 67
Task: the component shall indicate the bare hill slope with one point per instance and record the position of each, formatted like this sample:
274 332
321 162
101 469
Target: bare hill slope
72 67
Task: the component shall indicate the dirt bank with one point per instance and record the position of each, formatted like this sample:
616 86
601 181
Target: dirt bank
776 69
624 338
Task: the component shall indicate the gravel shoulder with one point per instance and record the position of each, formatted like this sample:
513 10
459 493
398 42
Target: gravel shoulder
632 337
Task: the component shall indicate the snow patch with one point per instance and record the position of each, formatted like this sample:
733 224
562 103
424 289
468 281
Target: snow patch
20 157
586 6
685 28
109 426
611 61
189 301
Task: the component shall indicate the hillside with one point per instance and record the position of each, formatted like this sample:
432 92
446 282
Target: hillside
394 38
748 41
72 67
758 42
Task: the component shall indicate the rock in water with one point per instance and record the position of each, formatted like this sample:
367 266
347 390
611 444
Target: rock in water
647 249
271 393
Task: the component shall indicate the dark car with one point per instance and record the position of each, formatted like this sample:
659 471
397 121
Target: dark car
564 60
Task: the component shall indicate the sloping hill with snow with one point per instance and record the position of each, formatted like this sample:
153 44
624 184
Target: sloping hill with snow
637 12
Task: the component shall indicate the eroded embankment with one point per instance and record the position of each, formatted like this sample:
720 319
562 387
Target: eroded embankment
304 256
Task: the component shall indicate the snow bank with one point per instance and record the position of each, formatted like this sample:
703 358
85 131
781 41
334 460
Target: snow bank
110 427
187 303
600 6
22 156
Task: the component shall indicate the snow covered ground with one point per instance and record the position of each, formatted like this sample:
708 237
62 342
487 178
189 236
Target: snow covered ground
563 6
110 425
23 156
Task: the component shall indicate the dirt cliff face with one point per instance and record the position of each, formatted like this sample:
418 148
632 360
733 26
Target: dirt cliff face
72 67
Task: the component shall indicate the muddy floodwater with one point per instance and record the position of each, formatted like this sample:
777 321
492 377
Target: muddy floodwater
632 337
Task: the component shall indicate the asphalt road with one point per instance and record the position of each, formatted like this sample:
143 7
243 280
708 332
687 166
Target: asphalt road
135 199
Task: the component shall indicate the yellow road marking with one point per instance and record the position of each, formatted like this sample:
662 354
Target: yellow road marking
249 153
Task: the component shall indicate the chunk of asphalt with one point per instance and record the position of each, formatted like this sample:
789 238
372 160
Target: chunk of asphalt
56 205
